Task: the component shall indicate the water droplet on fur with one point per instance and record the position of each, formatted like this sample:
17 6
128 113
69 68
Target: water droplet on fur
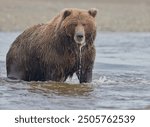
80 59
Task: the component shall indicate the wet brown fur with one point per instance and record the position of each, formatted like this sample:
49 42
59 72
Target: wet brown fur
48 51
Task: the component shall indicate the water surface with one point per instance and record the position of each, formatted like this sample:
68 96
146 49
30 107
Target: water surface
121 78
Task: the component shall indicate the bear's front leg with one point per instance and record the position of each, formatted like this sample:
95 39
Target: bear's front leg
86 64
84 74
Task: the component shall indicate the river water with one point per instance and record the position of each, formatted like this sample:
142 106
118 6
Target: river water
121 78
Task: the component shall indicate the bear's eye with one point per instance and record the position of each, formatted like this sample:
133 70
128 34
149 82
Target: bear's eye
74 24
83 24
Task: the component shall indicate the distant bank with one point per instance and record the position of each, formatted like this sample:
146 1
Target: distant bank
114 15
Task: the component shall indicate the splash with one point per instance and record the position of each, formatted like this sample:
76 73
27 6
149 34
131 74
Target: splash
102 79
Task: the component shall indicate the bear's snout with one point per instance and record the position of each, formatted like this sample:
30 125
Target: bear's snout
79 36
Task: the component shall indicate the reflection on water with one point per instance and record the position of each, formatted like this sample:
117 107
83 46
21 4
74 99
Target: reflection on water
62 89
52 87
121 72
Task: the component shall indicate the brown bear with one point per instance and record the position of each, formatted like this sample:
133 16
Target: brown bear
51 51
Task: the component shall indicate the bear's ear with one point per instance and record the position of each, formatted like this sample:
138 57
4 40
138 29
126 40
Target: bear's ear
66 13
92 12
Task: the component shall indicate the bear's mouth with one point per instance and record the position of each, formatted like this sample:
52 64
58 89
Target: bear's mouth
80 45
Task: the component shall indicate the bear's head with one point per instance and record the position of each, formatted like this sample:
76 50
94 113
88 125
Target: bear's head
79 25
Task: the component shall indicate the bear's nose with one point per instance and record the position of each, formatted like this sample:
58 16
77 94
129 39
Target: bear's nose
79 36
